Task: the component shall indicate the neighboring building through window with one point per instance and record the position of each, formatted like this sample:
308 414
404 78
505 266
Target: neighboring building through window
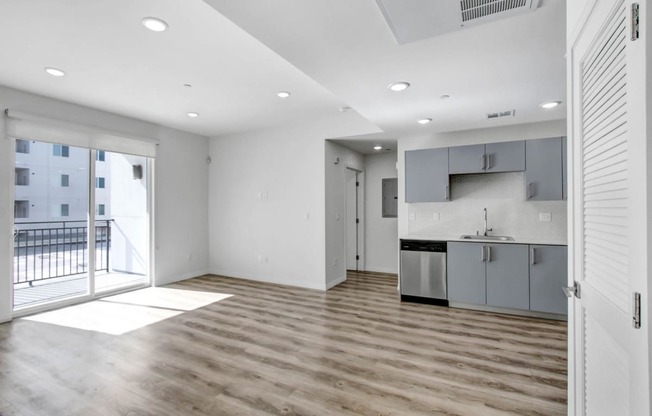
65 181
21 209
65 210
22 177
100 155
60 150
100 209
99 182
22 146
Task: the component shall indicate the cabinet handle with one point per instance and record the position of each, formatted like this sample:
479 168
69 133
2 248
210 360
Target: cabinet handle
532 253
447 193
490 163
483 162
484 258
488 254
529 190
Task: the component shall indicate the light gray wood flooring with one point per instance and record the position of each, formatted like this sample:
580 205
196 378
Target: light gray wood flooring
277 350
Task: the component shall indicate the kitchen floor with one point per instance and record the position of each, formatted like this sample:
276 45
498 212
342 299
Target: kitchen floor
246 348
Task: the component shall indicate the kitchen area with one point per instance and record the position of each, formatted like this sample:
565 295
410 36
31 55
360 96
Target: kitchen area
484 225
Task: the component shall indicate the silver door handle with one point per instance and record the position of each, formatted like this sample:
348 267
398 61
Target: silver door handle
447 193
569 291
529 190
532 253
484 258
483 162
490 161
488 253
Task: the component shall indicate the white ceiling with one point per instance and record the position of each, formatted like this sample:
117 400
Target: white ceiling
238 54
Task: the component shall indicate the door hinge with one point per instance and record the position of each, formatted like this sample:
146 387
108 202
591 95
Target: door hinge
357 257
635 21
357 183
575 290
357 220
636 311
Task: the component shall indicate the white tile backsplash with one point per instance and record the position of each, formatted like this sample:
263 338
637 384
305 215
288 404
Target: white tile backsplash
503 194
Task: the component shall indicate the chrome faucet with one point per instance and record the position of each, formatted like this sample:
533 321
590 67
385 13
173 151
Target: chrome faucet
485 230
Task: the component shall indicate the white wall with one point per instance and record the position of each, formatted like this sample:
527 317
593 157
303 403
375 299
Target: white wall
381 234
498 134
336 231
181 183
267 201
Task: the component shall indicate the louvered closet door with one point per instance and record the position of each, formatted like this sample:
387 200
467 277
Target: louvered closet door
608 357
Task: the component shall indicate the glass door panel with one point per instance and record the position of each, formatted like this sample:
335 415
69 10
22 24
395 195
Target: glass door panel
121 221
50 228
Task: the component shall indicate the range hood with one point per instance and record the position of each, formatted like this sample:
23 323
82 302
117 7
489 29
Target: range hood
412 20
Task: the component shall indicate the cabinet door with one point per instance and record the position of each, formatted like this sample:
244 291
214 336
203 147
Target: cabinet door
390 198
507 276
543 169
506 156
426 175
466 273
466 159
548 274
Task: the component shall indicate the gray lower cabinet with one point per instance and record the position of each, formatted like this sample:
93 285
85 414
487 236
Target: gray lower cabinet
505 156
507 276
426 175
543 169
466 273
548 274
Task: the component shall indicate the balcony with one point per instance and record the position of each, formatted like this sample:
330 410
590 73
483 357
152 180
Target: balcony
51 261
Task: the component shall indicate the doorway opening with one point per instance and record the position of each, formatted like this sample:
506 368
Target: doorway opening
354 220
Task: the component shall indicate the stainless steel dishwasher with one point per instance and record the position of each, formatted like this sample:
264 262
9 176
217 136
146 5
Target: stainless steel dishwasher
423 271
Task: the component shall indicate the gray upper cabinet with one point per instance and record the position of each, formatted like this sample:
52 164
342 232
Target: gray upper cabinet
426 175
492 157
507 276
505 156
466 159
466 273
543 173
548 274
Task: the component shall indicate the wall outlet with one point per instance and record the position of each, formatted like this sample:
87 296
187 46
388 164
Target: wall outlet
260 258
335 261
435 216
337 216
413 216
307 216
545 217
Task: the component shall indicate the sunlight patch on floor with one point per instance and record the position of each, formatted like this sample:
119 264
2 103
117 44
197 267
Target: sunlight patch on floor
119 314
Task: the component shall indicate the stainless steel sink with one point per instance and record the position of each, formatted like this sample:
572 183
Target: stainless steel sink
487 237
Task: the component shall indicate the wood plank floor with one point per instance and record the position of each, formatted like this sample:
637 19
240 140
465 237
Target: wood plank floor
354 350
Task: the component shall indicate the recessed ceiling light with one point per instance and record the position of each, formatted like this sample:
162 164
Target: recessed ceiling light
550 104
424 120
55 72
193 115
283 94
345 109
187 85
378 147
399 86
154 24
445 96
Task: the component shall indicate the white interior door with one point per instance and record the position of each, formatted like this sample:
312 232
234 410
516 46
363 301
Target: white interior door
351 220
608 357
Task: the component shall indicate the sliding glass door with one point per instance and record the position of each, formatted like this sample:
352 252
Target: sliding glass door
81 223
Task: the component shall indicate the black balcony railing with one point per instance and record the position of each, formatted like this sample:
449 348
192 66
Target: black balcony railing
47 250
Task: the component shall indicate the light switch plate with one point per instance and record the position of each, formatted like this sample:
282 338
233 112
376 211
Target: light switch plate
413 216
545 217
435 216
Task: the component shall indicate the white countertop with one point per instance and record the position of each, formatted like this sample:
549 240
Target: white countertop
517 240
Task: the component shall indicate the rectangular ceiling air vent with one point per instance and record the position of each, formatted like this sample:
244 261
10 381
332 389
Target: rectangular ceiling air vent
500 114
412 20
477 9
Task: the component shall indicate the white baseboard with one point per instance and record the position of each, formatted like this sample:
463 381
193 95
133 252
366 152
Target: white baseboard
265 279
335 282
5 318
381 270
181 277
